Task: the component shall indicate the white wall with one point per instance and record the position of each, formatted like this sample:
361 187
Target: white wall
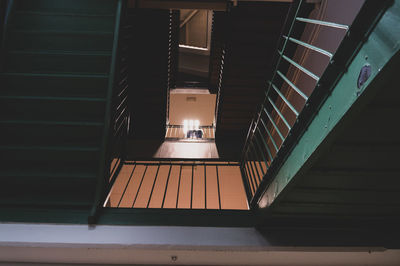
161 245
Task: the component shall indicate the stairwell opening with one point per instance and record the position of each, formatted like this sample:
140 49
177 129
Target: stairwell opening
183 171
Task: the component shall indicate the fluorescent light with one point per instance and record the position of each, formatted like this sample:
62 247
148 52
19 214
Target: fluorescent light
193 47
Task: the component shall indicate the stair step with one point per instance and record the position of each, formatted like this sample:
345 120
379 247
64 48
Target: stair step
13 155
53 62
60 40
16 148
23 196
74 6
53 85
28 20
51 98
49 110
51 123
43 134
64 12
34 168
22 173
47 191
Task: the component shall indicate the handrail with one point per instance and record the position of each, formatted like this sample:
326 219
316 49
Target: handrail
274 123
173 45
224 49
103 172
188 18
220 77
169 68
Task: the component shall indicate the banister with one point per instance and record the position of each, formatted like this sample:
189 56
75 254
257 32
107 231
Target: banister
278 99
103 171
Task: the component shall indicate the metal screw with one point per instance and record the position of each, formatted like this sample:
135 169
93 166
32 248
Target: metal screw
174 258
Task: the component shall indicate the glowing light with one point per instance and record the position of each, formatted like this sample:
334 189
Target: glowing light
185 126
190 125
193 47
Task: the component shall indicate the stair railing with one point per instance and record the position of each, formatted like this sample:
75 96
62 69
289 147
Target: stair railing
116 119
224 49
177 184
287 109
120 111
169 65
175 132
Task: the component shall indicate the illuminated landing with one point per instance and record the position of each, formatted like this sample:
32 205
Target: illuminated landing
178 185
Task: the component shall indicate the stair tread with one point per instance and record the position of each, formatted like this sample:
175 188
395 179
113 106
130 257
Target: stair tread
39 122
48 61
64 32
45 201
85 99
53 99
62 75
60 52
49 174
50 148
52 12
